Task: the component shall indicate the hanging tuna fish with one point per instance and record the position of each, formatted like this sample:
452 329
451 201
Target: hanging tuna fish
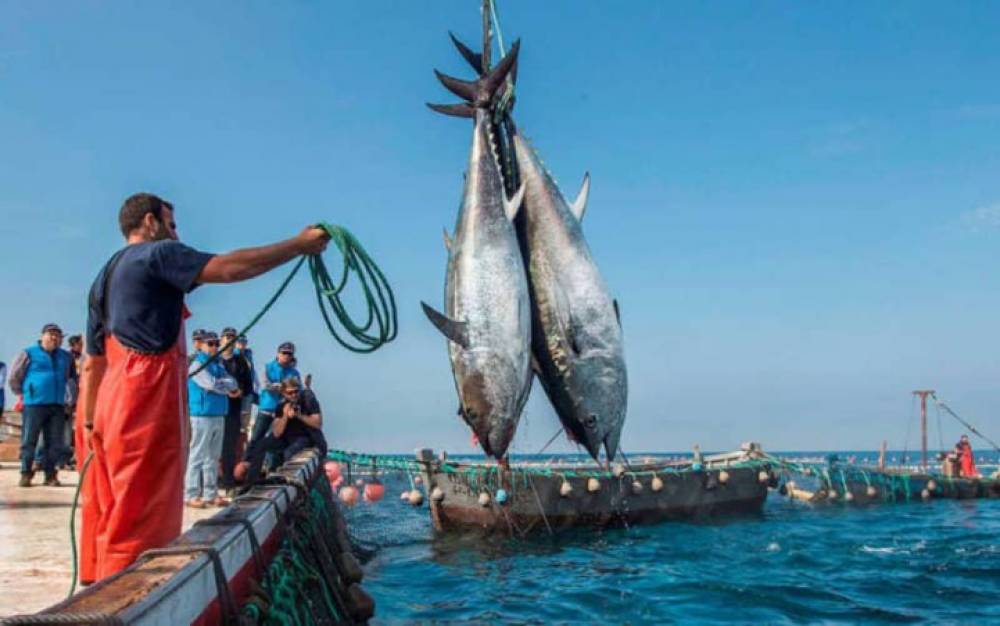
577 339
487 319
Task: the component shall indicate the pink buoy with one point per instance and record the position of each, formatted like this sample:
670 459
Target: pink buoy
332 469
349 495
374 491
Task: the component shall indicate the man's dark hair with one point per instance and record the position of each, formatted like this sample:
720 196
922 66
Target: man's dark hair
135 209
74 339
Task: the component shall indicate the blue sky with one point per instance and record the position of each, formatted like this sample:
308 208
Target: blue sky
797 204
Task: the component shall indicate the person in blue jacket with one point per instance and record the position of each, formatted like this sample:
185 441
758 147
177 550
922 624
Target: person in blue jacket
39 375
282 367
209 390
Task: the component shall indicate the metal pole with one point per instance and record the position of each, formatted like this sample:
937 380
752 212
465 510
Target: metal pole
923 393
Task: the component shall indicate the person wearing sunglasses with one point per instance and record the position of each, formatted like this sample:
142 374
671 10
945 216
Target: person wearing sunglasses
282 367
298 424
209 389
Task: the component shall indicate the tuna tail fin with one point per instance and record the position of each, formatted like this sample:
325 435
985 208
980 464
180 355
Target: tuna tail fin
475 59
456 110
453 330
479 93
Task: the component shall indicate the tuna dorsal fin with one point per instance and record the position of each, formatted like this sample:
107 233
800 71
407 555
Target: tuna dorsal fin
580 205
618 312
510 207
447 240
454 331
474 59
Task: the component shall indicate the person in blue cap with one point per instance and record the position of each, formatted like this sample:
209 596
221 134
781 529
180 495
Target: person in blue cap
39 375
209 390
282 367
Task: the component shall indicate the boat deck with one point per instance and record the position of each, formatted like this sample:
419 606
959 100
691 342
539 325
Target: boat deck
35 557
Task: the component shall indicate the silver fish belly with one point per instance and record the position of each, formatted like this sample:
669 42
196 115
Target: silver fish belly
487 311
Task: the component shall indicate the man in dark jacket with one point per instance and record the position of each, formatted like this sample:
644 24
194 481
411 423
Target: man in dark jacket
40 375
239 368
298 424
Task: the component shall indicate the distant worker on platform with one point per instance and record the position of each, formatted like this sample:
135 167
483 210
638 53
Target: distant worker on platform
966 458
134 378
3 383
298 423
282 367
39 375
238 368
210 390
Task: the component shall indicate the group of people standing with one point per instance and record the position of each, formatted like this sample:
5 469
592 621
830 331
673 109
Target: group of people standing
45 379
223 391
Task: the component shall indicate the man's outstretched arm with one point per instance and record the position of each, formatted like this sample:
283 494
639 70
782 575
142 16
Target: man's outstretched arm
248 263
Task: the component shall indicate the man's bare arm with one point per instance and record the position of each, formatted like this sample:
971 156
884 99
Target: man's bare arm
93 373
248 263
315 420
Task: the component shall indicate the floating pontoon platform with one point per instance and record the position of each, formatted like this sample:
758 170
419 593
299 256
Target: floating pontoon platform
537 497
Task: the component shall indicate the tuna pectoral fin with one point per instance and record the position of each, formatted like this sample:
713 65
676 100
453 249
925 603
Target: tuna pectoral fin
618 313
454 331
510 207
580 205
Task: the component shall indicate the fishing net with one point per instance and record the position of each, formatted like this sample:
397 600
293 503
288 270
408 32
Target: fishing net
311 579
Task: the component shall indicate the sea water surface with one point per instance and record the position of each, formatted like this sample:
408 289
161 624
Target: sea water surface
934 562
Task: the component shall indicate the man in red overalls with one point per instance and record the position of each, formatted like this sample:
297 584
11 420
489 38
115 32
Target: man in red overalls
134 382
966 459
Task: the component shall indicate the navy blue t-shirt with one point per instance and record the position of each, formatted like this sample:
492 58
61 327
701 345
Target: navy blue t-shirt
145 295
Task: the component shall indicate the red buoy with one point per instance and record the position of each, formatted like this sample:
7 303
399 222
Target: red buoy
374 491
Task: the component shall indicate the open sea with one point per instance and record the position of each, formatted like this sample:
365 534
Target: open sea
911 563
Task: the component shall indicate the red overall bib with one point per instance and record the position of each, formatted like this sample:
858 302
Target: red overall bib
140 452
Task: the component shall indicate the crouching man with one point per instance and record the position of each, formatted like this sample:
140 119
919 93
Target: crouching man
298 423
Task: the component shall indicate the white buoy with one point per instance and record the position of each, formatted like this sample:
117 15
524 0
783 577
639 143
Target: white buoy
636 487
656 484
405 495
437 494
849 496
416 497
925 494
593 485
484 499
723 477
763 476
417 480
832 495
931 485
871 491
565 489
618 470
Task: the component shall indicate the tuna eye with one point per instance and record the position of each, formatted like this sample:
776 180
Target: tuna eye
590 421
